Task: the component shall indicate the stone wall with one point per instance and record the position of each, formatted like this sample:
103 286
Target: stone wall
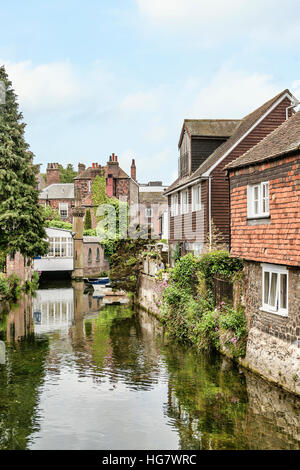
273 346
147 297
93 264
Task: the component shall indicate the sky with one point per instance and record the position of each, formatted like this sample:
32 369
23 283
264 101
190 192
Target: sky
119 76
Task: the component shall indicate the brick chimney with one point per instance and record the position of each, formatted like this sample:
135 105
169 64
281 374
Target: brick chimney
113 166
52 174
81 168
133 170
110 185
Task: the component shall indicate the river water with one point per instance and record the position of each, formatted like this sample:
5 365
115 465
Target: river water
77 374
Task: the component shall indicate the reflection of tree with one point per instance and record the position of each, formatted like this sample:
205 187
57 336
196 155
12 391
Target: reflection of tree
19 383
114 346
205 403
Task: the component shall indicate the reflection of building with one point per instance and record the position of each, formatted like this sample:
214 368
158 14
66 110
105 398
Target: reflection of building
53 309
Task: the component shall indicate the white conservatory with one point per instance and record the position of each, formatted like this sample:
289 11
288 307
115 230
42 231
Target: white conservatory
61 252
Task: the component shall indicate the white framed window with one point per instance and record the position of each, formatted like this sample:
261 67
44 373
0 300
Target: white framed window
275 289
63 210
258 200
174 205
60 247
196 198
148 212
184 202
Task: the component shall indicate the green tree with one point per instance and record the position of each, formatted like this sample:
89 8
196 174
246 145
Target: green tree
88 220
50 214
21 218
67 174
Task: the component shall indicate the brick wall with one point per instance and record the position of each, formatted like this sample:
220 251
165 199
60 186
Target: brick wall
54 204
18 265
277 240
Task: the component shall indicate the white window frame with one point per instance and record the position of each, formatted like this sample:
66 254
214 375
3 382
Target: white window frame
258 198
184 204
278 271
148 212
63 206
174 205
196 198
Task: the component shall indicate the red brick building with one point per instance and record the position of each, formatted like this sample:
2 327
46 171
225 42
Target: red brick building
265 232
200 194
61 196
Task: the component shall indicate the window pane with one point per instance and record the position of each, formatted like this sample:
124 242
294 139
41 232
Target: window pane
273 290
283 290
266 287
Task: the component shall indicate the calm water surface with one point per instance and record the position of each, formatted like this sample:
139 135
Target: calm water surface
77 374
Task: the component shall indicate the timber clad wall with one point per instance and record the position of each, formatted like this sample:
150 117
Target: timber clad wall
203 148
220 187
189 227
278 240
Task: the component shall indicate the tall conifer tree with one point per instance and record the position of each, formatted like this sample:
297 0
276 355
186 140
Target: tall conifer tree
21 218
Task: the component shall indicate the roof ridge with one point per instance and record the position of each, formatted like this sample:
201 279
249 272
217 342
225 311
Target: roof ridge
284 127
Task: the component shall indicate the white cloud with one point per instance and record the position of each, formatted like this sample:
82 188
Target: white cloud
140 101
205 23
233 93
45 86
190 11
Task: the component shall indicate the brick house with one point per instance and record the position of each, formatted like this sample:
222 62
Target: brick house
265 232
153 204
61 196
200 194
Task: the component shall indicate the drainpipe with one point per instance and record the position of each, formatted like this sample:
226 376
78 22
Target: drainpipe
209 211
293 105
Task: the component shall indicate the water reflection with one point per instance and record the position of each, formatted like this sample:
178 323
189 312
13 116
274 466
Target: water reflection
81 375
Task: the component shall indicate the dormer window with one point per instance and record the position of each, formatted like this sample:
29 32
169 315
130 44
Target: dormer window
258 200
184 156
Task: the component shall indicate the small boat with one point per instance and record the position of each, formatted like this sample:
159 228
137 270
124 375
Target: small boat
97 280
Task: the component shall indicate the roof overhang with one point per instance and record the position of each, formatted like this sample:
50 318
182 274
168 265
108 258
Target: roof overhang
183 186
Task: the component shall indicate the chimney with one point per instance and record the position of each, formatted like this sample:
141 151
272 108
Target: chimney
52 174
81 168
110 185
133 170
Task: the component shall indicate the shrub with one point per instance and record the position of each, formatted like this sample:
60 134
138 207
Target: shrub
4 287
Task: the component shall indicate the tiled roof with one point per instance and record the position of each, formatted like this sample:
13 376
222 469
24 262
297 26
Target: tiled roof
58 191
89 172
242 128
209 127
284 139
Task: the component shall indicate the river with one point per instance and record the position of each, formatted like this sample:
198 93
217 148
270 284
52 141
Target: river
77 374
